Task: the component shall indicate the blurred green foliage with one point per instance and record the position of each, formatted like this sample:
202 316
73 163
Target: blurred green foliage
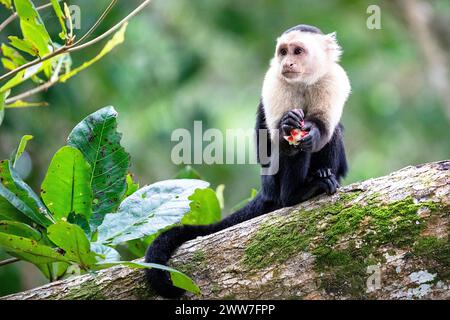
205 60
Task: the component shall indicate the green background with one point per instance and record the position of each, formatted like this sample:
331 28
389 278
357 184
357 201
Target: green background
205 60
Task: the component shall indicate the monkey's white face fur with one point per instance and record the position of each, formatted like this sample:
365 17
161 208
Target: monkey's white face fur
304 57
305 74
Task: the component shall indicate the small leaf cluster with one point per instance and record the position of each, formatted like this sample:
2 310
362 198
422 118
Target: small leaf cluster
35 56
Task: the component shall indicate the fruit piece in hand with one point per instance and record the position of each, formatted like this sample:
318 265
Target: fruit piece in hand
295 136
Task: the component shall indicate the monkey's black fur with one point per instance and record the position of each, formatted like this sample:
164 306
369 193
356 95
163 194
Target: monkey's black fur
302 174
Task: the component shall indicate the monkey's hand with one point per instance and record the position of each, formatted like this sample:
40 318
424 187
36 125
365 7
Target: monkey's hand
311 142
291 120
325 181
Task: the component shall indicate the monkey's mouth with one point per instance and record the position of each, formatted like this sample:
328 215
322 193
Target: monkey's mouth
290 73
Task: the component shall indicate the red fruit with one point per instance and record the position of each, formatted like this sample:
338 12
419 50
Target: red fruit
295 136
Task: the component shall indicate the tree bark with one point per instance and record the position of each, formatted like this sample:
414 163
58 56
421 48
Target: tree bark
384 238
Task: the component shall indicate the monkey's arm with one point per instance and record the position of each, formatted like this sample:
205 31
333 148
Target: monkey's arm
317 137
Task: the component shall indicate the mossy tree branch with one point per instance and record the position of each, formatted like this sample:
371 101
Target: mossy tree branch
384 238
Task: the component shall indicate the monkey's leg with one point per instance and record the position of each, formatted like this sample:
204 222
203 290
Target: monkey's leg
309 174
306 191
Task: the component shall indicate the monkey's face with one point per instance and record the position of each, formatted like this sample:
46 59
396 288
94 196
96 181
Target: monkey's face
304 57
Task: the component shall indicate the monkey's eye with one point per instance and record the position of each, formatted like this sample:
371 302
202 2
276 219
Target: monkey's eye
299 50
283 52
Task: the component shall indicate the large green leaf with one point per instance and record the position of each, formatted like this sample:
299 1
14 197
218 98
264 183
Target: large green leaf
149 210
21 196
66 188
179 279
72 239
205 208
97 138
29 249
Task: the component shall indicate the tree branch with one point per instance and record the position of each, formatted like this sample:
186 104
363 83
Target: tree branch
394 227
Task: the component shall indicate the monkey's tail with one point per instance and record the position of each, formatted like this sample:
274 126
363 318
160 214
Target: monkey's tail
162 248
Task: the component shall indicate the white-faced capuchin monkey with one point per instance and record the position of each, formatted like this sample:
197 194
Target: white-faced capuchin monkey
304 89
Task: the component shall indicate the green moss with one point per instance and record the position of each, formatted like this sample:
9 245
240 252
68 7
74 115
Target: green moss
198 257
343 271
197 260
436 252
318 231
278 239
86 291
275 242
215 288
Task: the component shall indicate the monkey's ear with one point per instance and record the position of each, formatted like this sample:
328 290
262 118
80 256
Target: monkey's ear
332 46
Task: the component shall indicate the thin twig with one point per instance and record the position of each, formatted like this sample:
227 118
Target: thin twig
97 23
12 17
8 261
31 92
72 48
34 62
111 30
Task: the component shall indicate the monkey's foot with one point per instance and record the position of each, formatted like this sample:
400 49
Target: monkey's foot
327 180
